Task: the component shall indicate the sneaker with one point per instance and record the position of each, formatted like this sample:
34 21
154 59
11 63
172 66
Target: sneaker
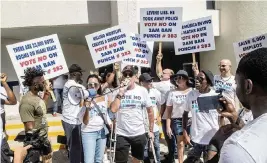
54 114
105 159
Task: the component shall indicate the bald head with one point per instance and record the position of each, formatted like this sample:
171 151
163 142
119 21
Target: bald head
225 66
166 74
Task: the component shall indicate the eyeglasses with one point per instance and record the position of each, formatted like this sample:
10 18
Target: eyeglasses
93 85
222 65
127 74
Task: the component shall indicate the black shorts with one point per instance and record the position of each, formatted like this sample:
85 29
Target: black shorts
137 144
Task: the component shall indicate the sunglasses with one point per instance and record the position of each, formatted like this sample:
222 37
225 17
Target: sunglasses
127 74
149 81
93 85
200 79
178 78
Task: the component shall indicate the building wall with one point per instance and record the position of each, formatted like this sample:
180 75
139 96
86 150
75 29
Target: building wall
238 20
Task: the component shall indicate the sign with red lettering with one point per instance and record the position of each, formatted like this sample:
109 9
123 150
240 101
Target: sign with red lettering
197 36
108 46
141 51
243 47
160 24
44 53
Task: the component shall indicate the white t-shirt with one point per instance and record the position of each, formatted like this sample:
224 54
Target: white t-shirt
246 115
164 87
204 124
177 99
59 82
70 112
155 98
3 95
1 133
131 118
247 145
95 123
229 85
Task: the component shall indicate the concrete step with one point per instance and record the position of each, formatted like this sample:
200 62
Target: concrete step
15 127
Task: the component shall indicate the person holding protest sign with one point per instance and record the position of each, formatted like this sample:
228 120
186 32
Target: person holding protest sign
70 116
7 98
145 80
131 101
204 115
165 86
32 108
175 107
247 144
94 135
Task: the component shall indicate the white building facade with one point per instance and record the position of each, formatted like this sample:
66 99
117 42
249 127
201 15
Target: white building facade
72 20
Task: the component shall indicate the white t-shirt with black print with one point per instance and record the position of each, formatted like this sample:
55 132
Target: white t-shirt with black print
131 117
204 123
155 98
95 123
164 87
177 99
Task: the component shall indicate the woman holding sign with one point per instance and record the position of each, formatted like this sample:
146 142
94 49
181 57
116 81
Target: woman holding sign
94 118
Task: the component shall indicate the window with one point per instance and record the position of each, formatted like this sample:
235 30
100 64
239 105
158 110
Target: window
210 4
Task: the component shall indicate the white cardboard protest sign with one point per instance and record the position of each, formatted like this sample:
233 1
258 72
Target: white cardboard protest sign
141 51
160 24
241 48
197 36
44 53
108 46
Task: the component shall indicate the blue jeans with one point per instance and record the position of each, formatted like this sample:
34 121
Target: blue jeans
156 147
58 95
176 125
171 143
94 144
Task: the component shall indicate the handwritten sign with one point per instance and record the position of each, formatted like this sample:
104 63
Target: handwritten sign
141 51
243 47
197 35
43 53
108 46
160 24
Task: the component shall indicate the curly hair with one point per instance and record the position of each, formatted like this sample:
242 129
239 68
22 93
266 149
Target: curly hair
254 66
30 74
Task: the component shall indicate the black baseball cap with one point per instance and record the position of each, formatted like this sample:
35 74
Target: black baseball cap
145 77
75 68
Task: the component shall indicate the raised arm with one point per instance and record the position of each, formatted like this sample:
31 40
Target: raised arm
158 65
11 98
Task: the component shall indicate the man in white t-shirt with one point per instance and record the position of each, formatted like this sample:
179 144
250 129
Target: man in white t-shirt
7 98
247 145
71 116
131 124
204 115
145 80
164 87
58 85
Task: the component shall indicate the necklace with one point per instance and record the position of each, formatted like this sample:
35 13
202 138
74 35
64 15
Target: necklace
226 79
